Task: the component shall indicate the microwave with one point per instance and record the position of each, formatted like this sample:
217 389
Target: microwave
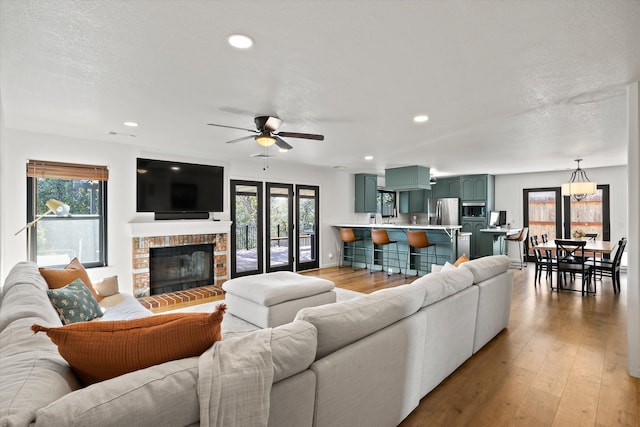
473 210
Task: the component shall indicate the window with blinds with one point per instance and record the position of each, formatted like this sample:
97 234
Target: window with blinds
61 234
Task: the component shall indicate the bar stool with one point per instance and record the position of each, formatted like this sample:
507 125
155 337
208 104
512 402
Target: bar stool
349 240
521 237
419 240
381 238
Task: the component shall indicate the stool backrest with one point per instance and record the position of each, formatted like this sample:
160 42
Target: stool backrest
417 239
380 237
347 235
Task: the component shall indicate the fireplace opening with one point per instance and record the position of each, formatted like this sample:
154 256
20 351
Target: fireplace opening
178 268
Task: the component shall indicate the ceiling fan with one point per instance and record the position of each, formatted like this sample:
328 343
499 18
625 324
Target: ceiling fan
266 135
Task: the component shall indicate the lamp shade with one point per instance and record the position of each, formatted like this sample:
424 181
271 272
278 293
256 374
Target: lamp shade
265 140
573 188
57 207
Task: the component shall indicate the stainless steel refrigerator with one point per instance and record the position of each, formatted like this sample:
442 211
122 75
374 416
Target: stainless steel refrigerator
444 211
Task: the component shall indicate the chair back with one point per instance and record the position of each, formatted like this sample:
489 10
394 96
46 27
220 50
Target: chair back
347 235
418 239
523 234
534 242
617 258
380 237
569 251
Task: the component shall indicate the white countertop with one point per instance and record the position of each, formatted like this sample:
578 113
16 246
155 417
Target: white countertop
403 226
500 230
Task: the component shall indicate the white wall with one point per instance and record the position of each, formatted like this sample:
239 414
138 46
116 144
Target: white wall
509 193
336 192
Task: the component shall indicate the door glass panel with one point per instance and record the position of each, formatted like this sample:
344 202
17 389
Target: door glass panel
586 216
246 215
279 223
307 236
542 209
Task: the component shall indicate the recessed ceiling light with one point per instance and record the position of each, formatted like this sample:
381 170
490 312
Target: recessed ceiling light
368 157
131 124
240 41
420 119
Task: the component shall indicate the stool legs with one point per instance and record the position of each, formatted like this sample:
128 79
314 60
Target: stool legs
373 256
420 254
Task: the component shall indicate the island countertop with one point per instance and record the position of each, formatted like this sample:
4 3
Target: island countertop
403 226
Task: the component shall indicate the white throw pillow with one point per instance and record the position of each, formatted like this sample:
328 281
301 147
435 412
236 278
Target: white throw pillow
107 286
448 266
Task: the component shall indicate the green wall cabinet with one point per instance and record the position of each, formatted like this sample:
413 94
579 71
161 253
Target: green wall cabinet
416 201
446 187
366 193
475 187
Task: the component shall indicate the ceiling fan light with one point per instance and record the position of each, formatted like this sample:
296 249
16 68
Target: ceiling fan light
265 140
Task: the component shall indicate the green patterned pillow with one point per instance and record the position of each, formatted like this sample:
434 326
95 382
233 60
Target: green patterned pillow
74 303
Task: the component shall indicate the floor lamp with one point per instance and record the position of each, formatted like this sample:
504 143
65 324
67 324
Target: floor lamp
55 206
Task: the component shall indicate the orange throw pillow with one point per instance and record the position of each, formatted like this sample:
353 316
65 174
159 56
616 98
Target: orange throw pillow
59 278
463 258
98 351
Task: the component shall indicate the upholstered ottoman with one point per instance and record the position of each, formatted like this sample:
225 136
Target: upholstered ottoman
273 299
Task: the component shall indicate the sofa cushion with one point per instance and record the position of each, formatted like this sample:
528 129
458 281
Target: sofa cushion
32 372
58 278
438 286
101 350
487 267
345 322
122 306
293 348
162 395
74 303
107 286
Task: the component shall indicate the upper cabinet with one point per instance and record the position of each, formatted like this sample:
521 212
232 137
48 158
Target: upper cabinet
446 187
476 187
415 201
366 193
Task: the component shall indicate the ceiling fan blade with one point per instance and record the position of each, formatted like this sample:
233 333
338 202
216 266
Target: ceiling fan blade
282 144
301 135
244 138
232 127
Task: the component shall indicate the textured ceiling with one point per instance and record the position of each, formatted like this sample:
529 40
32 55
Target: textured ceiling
509 86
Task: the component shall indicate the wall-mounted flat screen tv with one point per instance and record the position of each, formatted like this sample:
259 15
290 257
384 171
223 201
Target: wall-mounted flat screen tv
174 187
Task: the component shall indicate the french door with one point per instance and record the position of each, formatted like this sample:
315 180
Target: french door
307 208
279 227
246 229
588 216
544 214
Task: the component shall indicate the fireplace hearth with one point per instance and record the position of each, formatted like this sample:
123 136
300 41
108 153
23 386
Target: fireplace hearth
178 268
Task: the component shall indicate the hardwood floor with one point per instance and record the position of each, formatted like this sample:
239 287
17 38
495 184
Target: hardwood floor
561 362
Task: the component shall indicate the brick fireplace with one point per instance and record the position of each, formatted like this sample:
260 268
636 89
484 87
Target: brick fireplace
163 234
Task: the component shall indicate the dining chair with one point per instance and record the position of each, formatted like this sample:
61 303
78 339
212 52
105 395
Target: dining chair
611 268
569 259
543 263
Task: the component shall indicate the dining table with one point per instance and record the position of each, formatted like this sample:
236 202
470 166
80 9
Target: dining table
592 246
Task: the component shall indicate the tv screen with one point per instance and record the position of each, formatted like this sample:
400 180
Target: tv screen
173 187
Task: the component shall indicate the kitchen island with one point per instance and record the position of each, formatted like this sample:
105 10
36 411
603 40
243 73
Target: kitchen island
444 236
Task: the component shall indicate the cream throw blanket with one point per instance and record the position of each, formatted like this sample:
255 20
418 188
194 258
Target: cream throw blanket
234 381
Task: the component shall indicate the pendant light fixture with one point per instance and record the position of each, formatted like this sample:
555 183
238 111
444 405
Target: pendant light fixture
579 186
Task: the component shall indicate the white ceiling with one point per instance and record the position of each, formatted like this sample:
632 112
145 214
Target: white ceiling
509 86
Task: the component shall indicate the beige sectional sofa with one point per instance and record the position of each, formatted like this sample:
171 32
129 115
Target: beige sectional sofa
366 361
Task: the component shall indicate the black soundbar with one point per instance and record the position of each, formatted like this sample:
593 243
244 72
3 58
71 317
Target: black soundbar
181 215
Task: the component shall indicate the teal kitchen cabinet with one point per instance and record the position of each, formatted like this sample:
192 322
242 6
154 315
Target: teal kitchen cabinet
415 201
366 193
446 187
476 244
474 187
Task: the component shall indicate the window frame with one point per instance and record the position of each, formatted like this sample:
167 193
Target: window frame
32 190
379 203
